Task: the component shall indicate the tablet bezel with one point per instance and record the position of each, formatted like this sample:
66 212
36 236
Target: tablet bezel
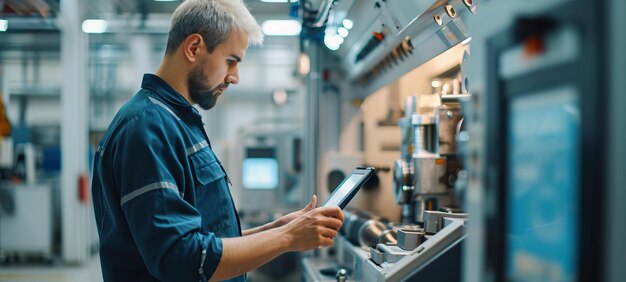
365 171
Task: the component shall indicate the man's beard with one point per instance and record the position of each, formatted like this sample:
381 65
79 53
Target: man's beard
199 92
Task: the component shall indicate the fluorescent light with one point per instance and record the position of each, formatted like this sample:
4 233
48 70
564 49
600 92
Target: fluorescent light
4 24
343 32
348 24
94 26
281 27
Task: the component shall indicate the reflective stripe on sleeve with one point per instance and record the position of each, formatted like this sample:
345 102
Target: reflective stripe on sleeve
148 188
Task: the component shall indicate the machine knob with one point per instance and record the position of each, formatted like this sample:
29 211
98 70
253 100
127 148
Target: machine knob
341 275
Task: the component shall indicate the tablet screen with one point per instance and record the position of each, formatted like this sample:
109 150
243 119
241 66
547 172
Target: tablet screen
344 189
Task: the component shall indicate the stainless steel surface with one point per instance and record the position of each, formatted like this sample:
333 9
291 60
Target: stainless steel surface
409 239
449 119
433 220
419 28
377 256
409 262
425 128
427 176
392 254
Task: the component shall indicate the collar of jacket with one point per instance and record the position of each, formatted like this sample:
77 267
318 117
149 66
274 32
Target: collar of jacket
166 92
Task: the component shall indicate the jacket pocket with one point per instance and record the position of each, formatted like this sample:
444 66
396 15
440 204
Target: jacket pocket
211 191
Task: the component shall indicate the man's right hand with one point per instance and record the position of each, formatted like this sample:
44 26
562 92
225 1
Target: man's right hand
312 229
316 228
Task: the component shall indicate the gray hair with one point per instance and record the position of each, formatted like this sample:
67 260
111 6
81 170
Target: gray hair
214 20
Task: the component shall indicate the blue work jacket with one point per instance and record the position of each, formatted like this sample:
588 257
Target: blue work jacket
161 197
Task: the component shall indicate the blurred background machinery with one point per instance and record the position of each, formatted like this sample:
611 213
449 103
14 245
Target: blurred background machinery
496 130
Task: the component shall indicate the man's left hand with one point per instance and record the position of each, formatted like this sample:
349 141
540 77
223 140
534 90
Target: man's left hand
291 216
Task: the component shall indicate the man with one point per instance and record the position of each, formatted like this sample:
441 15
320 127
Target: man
161 197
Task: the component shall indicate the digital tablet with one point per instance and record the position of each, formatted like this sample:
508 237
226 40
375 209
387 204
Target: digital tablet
349 187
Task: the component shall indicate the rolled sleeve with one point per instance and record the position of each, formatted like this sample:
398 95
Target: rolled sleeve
210 257
164 227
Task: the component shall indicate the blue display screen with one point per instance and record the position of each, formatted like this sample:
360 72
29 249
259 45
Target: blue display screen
260 173
543 186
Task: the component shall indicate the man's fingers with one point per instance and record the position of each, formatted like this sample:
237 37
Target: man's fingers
332 212
331 223
312 204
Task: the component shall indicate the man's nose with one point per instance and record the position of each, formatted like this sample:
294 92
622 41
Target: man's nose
233 78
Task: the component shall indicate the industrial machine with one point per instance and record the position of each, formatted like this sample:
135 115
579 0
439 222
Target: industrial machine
507 163
407 56
26 222
268 169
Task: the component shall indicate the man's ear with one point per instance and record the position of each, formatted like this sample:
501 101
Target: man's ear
191 46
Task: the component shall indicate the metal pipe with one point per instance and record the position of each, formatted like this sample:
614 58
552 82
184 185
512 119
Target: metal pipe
313 84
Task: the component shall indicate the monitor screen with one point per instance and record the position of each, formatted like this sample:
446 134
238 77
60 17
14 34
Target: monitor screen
260 173
343 189
543 164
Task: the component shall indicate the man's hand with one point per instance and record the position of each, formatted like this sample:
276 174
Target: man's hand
307 229
291 216
315 228
283 220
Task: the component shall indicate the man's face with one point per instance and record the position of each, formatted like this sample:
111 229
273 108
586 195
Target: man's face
215 71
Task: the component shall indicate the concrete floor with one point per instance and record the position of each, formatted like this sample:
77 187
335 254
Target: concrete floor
91 272
52 273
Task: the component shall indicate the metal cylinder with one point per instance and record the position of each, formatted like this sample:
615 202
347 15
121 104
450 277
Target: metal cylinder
370 233
426 131
388 237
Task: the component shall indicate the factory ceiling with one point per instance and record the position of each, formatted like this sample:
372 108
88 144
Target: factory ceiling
50 8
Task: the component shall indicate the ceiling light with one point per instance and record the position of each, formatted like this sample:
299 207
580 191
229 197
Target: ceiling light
4 24
94 26
281 27
165 0
333 42
348 24
343 32
279 1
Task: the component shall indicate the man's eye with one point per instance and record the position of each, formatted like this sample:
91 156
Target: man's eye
230 62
